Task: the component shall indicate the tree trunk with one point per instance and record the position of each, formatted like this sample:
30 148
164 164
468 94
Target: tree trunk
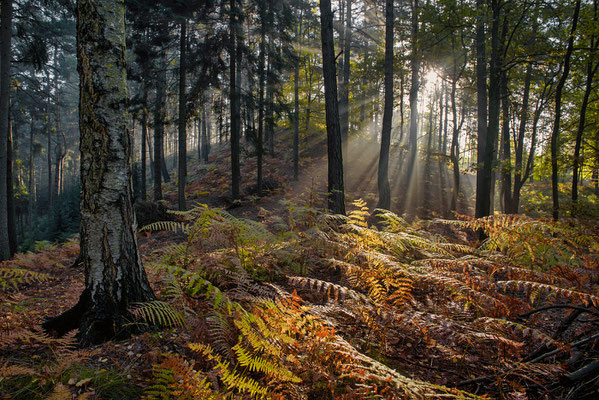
234 99
344 89
483 177
261 77
182 178
10 195
159 110
5 61
336 200
506 170
591 70
49 145
144 139
455 147
61 141
414 89
114 276
204 135
296 116
515 204
31 180
558 113
383 176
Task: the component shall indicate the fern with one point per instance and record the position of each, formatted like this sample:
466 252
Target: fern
158 313
258 364
174 378
359 215
229 376
535 288
523 331
13 278
330 290
7 370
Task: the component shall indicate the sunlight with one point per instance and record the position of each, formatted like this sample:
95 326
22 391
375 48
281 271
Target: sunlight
431 80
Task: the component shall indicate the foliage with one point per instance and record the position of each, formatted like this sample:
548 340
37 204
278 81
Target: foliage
395 312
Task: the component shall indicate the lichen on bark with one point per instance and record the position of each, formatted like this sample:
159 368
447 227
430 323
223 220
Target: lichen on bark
114 275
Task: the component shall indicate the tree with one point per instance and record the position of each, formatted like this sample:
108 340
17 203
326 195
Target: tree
590 73
558 112
383 177
5 57
345 72
336 201
114 275
234 57
483 180
182 116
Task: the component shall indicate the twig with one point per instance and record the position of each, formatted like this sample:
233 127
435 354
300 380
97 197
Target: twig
535 360
583 309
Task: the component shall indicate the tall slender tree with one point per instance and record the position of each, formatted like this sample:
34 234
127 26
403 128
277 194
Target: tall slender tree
182 178
558 112
383 176
234 52
336 194
5 62
483 182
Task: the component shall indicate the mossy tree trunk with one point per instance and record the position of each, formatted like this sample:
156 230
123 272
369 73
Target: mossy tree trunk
114 276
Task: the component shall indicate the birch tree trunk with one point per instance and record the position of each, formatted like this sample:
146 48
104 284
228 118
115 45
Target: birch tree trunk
114 276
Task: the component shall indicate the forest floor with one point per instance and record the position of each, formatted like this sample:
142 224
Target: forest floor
272 297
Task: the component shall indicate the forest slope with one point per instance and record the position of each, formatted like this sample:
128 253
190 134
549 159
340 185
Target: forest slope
297 303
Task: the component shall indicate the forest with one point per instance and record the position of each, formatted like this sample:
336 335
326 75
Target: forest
299 199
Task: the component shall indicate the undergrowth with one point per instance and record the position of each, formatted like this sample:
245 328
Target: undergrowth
330 306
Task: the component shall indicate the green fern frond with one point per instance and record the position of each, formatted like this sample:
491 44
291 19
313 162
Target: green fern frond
12 278
228 375
258 364
158 313
172 226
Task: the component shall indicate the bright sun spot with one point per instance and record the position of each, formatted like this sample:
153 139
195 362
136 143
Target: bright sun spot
432 80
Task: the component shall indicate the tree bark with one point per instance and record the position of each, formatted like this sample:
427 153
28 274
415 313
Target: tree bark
558 113
10 195
144 139
336 200
519 148
506 170
414 89
483 179
296 102
114 276
591 70
261 77
344 89
5 61
383 176
204 138
31 180
182 178
159 111
234 100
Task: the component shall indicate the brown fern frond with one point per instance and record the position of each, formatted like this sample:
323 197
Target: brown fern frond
331 290
535 288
